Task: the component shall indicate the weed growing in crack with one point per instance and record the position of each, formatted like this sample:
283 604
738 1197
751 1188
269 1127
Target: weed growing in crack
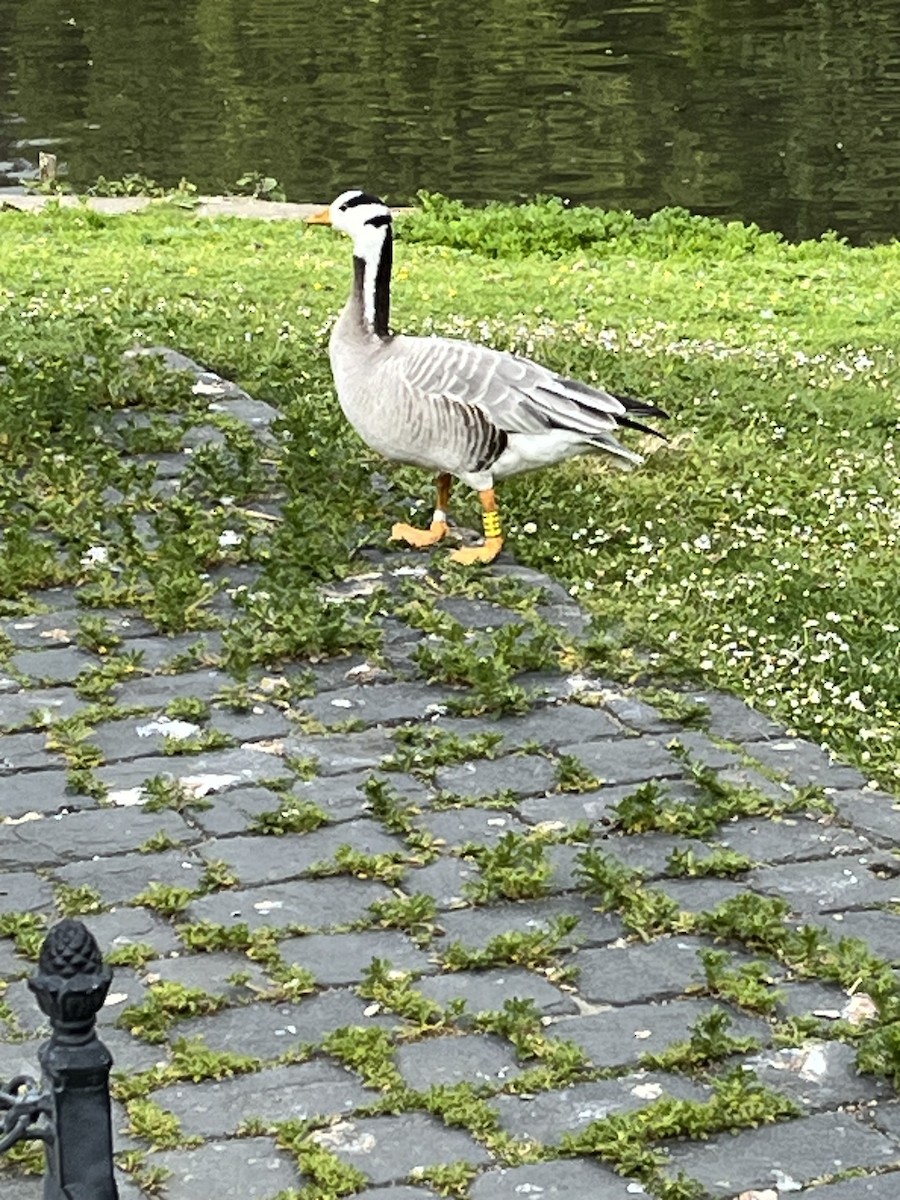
292 815
395 992
415 914
369 1051
77 901
331 1177
573 776
645 911
421 749
536 949
749 986
516 868
487 664
720 863
161 793
709 1043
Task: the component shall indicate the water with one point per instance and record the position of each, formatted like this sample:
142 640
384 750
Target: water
783 112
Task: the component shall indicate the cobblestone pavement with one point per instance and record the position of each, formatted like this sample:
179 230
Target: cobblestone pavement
389 952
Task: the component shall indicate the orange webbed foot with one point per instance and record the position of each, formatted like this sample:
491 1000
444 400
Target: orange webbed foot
485 553
419 538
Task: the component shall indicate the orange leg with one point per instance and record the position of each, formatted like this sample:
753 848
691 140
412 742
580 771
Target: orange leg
438 527
493 536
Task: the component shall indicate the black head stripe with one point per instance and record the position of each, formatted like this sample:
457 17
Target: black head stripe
379 219
360 198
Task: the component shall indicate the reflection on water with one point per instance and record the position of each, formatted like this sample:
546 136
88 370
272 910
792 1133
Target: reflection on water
784 112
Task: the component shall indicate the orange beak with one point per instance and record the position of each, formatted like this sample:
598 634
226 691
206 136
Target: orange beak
322 217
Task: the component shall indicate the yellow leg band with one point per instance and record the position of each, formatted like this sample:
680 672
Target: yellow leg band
491 524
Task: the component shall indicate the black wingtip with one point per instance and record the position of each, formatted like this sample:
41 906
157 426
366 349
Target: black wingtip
641 408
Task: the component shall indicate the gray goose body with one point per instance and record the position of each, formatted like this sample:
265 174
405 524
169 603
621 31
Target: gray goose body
455 407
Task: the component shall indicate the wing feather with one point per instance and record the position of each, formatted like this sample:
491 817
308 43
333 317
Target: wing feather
514 393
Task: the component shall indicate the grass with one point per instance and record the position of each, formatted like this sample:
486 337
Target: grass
756 552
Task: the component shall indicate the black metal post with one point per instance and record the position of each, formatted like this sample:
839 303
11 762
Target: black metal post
71 985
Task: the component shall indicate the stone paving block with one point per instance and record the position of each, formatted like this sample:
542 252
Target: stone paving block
389 1193
567 1178
19 1058
702 894
13 965
547 1116
374 704
446 880
804 763
22 891
132 927
637 714
557 726
26 752
234 811
735 721
161 649
826 885
749 777
791 839
486 991
484 826
265 1030
339 754
262 723
478 614
243 1169
21 1187
43 792
825 1001
627 760
518 774
476 1058
650 852
387 1149
267 859
784 1156
313 904
571 808
818 1076
140 737
874 813
620 1036
475 927
203 774
53 841
704 750
124 876
342 797
131 1056
18 709
868 1187
213 973
640 972
292 1093
154 692
336 958
886 1117
47 667
881 930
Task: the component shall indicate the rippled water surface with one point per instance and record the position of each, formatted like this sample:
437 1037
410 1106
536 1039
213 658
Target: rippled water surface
784 112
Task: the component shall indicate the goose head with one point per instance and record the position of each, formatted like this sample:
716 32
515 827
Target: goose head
363 216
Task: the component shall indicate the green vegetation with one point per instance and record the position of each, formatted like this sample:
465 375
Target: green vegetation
756 552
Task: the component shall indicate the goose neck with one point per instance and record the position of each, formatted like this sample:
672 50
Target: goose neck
372 284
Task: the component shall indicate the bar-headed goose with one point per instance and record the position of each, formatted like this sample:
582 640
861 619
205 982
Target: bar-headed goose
463 410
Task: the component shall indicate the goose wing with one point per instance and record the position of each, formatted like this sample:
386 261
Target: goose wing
514 393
